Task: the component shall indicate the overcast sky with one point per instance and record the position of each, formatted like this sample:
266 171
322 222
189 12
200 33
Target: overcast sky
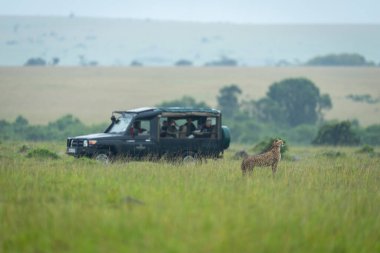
236 11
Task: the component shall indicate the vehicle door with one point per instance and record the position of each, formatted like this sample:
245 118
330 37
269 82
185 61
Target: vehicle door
143 141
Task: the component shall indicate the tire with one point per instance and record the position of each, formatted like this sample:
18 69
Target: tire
226 137
190 158
103 158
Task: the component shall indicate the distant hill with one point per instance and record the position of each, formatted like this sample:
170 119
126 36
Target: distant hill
119 42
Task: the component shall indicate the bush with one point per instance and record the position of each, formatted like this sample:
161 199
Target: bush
266 145
23 149
366 149
337 134
302 134
42 153
333 154
57 130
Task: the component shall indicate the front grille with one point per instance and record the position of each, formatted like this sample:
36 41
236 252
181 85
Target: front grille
76 143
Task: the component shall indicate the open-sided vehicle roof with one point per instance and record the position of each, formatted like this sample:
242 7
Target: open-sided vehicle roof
173 111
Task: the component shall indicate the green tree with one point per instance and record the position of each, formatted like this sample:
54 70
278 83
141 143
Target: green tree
185 101
21 121
371 135
228 101
340 60
183 62
66 122
20 124
35 62
223 61
325 103
270 111
297 101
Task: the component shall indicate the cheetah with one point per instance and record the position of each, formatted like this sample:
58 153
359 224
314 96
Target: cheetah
269 158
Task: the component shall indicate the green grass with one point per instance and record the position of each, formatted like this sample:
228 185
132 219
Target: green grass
317 204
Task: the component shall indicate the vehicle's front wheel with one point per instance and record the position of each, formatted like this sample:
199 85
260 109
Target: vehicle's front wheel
102 158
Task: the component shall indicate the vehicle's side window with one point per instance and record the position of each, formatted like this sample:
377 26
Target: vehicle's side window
188 127
145 126
140 128
209 128
168 128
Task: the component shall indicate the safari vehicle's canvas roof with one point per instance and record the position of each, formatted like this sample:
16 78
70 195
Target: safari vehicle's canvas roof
173 111
189 110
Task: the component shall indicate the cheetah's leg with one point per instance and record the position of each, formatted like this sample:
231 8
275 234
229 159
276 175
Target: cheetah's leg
274 168
250 171
247 171
247 167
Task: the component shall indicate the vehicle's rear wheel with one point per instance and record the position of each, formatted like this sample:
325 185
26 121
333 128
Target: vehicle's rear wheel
103 158
190 158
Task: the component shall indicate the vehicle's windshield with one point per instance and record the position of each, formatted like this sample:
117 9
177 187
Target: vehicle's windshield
120 125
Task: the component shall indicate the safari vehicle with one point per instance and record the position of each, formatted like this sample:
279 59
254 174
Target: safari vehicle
173 132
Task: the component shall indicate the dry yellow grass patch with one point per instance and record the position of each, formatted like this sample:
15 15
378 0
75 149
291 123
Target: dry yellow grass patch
44 94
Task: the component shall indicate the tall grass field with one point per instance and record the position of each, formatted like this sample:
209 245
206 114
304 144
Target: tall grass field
321 200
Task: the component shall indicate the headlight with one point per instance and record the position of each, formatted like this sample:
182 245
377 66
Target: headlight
92 142
85 143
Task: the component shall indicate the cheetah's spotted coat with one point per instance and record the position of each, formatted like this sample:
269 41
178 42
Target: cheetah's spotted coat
269 158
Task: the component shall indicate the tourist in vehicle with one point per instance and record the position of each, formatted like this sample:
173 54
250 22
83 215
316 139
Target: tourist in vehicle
188 126
136 129
164 128
172 129
207 129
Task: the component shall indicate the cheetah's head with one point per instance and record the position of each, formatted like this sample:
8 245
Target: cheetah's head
278 143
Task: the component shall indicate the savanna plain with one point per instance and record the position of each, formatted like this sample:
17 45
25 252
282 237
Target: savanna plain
322 199
325 200
45 94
